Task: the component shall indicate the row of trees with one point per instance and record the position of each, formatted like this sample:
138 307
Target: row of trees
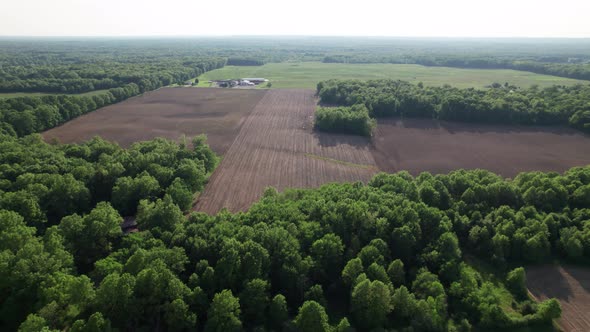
556 105
349 120
241 61
386 255
78 78
26 115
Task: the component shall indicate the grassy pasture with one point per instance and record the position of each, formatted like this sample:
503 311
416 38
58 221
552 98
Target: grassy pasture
308 74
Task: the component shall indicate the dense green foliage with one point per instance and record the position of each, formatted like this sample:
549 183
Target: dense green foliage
349 120
61 67
557 105
45 183
25 115
390 254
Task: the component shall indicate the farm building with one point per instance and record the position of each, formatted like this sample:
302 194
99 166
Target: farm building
256 80
246 83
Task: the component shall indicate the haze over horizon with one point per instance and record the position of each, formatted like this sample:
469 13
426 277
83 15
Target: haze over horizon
426 18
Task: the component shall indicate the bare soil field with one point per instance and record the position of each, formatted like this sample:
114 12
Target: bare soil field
568 284
418 145
169 113
277 147
267 139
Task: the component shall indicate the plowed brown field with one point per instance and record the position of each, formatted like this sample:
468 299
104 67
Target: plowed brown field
419 145
277 147
568 284
267 139
169 113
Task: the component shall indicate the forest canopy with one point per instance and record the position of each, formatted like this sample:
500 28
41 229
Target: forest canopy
501 103
399 252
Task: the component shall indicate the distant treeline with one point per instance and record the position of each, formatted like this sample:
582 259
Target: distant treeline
503 104
571 70
85 77
245 62
25 115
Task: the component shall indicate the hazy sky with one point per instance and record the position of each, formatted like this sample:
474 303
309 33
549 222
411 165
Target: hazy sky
453 18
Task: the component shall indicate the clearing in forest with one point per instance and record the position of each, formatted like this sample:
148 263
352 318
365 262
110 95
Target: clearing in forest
277 147
308 74
167 112
568 284
419 145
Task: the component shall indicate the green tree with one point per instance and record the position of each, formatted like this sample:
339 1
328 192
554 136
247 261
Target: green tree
352 270
34 323
115 298
96 323
93 236
312 317
224 313
516 282
403 302
343 326
327 255
254 300
180 194
396 272
128 191
178 316
278 312
316 293
377 272
370 304
163 214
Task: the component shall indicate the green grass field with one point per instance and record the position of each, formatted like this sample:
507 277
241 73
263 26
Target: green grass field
39 94
308 74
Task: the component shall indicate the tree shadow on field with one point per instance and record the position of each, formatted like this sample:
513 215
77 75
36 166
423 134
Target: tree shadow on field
412 123
475 127
547 281
331 140
480 128
580 274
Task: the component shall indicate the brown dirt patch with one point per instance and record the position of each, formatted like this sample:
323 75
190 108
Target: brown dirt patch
419 145
277 147
169 113
568 284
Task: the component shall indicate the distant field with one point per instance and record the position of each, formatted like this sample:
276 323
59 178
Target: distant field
308 74
167 112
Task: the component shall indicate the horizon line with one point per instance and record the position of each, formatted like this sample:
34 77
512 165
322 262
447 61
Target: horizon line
290 36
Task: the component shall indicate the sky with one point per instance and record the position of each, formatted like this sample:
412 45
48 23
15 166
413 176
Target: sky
408 18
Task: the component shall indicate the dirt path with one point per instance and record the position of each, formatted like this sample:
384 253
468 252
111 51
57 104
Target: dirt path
277 147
